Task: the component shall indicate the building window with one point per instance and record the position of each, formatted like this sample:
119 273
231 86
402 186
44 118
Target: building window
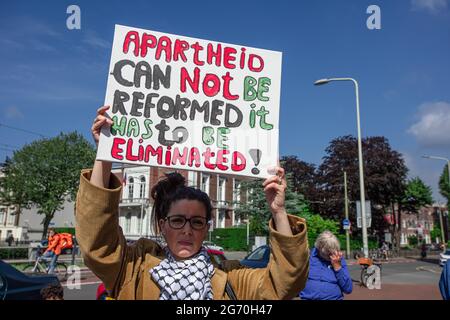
205 183
221 189
130 188
237 191
249 193
221 218
11 218
2 215
403 239
128 223
192 179
142 188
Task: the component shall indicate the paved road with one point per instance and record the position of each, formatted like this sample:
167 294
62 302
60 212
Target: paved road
85 291
405 279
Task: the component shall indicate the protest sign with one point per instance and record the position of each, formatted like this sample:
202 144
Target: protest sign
193 104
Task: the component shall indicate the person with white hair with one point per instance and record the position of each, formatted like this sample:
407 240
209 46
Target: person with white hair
328 277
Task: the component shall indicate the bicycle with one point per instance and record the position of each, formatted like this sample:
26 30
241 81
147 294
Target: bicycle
368 273
42 265
379 254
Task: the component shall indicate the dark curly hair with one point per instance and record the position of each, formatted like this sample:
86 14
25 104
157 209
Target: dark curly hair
52 292
173 188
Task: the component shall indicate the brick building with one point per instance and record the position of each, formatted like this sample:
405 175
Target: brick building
136 204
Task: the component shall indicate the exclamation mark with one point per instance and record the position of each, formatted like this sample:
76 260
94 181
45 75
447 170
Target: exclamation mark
255 154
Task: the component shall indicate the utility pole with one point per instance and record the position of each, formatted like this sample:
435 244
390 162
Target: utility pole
442 228
347 231
248 233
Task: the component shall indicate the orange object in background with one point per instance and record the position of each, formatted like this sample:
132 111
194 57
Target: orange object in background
365 261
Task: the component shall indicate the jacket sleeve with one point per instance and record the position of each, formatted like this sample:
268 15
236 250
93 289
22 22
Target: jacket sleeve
101 240
343 278
97 228
444 281
287 271
53 243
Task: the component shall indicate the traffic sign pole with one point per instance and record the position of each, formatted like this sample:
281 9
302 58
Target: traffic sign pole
347 235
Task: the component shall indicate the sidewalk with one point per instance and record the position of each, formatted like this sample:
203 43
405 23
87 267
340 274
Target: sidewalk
396 292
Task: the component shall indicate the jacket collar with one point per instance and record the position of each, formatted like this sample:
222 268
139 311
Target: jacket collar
151 289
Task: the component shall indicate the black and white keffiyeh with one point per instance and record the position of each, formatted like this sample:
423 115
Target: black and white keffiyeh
185 279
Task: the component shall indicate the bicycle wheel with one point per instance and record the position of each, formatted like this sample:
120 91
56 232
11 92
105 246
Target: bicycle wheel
61 269
30 268
364 277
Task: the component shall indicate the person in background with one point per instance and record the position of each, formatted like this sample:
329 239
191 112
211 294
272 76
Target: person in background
328 276
385 250
423 251
53 250
10 239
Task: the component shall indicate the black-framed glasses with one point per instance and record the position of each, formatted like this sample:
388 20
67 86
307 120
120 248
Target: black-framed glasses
178 222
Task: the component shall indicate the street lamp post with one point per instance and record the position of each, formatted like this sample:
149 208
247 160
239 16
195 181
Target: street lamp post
440 211
361 171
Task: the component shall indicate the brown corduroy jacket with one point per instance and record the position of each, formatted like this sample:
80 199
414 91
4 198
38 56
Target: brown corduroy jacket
124 269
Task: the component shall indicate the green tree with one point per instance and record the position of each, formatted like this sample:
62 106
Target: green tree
317 224
258 211
45 173
303 175
444 184
435 233
384 177
417 194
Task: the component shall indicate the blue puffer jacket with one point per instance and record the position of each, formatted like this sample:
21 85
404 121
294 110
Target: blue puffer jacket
444 282
323 282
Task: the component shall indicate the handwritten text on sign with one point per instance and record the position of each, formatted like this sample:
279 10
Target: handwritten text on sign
191 104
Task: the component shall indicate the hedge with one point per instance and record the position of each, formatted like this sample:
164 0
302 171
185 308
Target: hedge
230 238
13 253
65 230
357 244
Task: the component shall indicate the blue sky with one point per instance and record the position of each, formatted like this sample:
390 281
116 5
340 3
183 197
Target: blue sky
53 79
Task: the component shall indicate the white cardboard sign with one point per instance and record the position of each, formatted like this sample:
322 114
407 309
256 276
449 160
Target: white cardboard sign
187 103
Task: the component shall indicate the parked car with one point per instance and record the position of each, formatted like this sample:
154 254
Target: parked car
15 285
444 257
258 258
210 245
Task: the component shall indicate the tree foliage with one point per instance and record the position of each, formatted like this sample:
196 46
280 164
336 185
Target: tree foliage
416 195
444 184
45 173
384 176
384 173
303 176
257 209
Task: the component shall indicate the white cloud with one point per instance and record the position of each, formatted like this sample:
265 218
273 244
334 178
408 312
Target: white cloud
427 170
13 113
433 126
432 6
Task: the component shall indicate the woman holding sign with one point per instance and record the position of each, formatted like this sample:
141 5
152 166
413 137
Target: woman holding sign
181 270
